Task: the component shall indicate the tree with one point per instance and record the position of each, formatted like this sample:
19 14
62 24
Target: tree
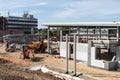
43 31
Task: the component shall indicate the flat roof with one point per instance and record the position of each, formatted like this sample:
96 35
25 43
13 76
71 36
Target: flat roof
83 24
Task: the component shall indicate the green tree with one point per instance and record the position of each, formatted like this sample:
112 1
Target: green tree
56 33
43 31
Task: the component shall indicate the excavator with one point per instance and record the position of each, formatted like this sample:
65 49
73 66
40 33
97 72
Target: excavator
39 46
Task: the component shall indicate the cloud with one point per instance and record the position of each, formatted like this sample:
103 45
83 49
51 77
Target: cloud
65 14
13 4
36 11
33 5
89 8
41 4
16 8
30 5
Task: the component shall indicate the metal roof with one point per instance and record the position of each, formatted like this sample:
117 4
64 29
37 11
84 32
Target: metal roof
83 24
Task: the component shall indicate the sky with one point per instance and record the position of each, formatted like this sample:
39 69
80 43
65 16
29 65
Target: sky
64 10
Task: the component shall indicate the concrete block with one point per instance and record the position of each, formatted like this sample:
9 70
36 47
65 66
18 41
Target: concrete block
110 65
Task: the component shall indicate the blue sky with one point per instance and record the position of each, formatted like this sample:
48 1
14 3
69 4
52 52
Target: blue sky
64 10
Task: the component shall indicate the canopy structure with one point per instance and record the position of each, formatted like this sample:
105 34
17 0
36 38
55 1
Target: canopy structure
95 27
83 24
92 42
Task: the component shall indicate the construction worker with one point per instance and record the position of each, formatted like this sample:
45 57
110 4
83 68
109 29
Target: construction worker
7 45
26 51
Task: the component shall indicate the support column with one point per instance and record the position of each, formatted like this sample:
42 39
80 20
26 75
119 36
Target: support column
77 34
61 35
74 52
48 35
118 35
87 34
97 36
89 52
99 33
69 34
66 53
93 34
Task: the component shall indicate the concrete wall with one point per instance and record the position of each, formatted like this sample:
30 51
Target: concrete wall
82 51
63 49
109 65
95 62
118 56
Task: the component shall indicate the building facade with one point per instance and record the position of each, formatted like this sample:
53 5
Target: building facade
2 23
12 24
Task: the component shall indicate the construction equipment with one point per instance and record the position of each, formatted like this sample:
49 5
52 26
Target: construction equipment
39 46
84 40
10 48
26 52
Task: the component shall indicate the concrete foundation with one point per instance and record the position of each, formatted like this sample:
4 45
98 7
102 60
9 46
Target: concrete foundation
109 65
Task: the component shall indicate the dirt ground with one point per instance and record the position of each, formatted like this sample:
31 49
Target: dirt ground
58 64
12 71
12 68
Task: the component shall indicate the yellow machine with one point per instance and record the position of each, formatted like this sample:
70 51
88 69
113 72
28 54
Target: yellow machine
84 40
39 46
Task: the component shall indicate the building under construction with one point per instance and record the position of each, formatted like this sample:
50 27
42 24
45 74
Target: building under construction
96 43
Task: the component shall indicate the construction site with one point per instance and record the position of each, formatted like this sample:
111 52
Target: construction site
84 51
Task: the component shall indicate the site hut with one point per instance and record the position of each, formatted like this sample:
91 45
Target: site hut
97 44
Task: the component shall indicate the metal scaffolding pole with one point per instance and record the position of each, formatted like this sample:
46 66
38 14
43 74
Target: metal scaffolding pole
48 35
118 34
66 53
100 33
77 34
87 34
61 35
69 34
74 55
